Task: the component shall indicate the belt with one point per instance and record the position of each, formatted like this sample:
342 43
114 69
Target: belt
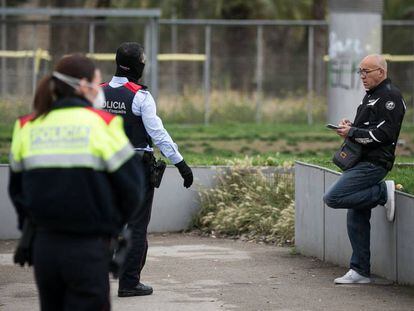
142 152
146 156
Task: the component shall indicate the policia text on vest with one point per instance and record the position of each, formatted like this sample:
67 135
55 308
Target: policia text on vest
127 98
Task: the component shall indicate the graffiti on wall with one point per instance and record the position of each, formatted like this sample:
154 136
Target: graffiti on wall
344 55
343 74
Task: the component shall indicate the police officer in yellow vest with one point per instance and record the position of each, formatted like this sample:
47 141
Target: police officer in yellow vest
75 175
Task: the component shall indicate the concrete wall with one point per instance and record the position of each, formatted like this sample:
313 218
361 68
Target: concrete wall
173 207
321 231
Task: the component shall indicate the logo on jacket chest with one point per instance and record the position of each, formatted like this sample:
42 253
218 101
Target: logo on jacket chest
390 105
115 106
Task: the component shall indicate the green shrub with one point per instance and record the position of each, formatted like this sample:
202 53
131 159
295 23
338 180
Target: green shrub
247 203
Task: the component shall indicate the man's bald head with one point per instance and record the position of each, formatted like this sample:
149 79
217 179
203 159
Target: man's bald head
373 70
376 60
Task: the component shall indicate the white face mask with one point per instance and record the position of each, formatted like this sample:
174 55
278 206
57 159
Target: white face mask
99 99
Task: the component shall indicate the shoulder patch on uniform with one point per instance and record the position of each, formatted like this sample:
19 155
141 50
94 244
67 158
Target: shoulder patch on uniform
106 116
23 120
390 105
133 87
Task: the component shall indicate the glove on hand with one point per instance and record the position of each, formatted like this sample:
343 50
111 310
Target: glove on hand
186 173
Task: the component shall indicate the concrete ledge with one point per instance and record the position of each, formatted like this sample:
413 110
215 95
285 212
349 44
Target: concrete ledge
309 214
8 219
173 208
392 244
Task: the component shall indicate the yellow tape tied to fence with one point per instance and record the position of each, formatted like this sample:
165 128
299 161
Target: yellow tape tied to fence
388 57
40 54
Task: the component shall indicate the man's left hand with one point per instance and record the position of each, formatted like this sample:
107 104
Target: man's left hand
343 131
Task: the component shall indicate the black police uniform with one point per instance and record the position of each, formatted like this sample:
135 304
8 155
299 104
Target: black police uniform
119 101
130 100
75 175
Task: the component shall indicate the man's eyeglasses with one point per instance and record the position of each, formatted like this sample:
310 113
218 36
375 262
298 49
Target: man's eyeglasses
365 72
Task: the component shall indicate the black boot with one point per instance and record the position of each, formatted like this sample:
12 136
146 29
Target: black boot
139 290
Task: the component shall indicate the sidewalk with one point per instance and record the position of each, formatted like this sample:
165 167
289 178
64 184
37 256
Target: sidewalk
203 274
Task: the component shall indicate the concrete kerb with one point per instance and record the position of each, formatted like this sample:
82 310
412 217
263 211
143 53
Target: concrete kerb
173 209
392 244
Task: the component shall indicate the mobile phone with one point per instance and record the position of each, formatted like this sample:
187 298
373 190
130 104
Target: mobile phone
332 126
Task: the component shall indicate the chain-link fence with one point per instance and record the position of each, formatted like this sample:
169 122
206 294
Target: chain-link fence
207 70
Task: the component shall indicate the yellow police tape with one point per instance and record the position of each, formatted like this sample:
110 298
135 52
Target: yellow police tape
40 54
160 57
388 57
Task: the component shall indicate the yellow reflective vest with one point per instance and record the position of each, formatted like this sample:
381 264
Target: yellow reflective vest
74 169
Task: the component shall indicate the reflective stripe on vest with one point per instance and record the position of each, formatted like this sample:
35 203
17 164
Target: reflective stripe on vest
70 137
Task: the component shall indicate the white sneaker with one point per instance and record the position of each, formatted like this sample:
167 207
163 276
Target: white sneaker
352 277
390 205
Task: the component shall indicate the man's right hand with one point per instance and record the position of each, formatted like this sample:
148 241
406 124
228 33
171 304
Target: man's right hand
345 122
186 173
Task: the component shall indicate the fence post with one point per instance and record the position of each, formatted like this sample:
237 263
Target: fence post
91 48
154 55
147 47
3 47
259 74
310 74
174 39
207 63
36 60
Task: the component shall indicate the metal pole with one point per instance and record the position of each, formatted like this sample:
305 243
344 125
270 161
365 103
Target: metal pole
3 47
310 73
91 37
147 47
207 42
154 55
259 74
36 60
174 39
412 68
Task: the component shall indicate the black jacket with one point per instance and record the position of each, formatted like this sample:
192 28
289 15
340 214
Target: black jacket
378 122
76 198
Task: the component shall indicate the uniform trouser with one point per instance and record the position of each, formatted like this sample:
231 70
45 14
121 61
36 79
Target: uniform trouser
71 272
135 260
359 189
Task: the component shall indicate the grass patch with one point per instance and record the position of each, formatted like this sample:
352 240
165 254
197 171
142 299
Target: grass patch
231 106
282 138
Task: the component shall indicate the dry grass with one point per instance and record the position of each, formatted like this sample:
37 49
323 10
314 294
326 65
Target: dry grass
232 106
248 204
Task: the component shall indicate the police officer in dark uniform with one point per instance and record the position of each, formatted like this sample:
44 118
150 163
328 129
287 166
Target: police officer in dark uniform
131 100
376 128
75 176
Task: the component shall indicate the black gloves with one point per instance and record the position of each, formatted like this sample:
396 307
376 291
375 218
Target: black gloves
23 252
186 173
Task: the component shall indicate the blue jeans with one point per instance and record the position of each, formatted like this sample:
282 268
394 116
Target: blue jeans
359 189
